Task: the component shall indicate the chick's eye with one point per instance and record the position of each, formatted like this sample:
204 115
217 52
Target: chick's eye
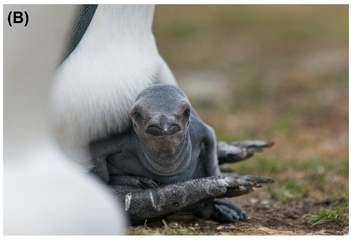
186 113
137 116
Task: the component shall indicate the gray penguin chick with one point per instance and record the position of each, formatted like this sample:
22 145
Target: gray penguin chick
168 162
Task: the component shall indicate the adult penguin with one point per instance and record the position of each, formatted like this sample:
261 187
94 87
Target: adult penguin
111 57
44 192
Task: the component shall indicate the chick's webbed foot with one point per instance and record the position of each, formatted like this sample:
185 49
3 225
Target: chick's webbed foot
229 152
225 212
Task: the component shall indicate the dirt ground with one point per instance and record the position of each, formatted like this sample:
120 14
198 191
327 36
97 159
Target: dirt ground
266 217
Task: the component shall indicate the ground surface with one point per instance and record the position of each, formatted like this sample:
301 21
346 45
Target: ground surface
266 218
277 73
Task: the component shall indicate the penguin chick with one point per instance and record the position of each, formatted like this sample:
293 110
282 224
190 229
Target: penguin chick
171 151
167 141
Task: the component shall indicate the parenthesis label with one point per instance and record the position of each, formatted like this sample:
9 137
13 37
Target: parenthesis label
9 18
27 18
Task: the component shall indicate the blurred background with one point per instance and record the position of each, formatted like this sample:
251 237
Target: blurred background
269 72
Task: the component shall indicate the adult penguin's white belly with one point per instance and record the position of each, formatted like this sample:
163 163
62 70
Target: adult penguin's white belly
95 87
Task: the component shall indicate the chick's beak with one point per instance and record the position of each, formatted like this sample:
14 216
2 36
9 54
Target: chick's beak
164 127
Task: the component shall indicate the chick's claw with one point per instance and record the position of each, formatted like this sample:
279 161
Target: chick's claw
255 178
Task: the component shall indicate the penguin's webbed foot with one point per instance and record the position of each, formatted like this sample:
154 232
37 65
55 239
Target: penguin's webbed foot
225 212
230 152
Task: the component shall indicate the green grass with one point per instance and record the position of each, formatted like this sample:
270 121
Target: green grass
340 194
285 125
283 195
260 165
312 165
324 216
286 191
317 175
339 166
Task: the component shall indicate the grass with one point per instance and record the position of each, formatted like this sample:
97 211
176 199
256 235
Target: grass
340 194
259 166
170 229
324 216
295 181
284 195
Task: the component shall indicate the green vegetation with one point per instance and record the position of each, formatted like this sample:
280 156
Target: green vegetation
261 165
334 214
284 195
